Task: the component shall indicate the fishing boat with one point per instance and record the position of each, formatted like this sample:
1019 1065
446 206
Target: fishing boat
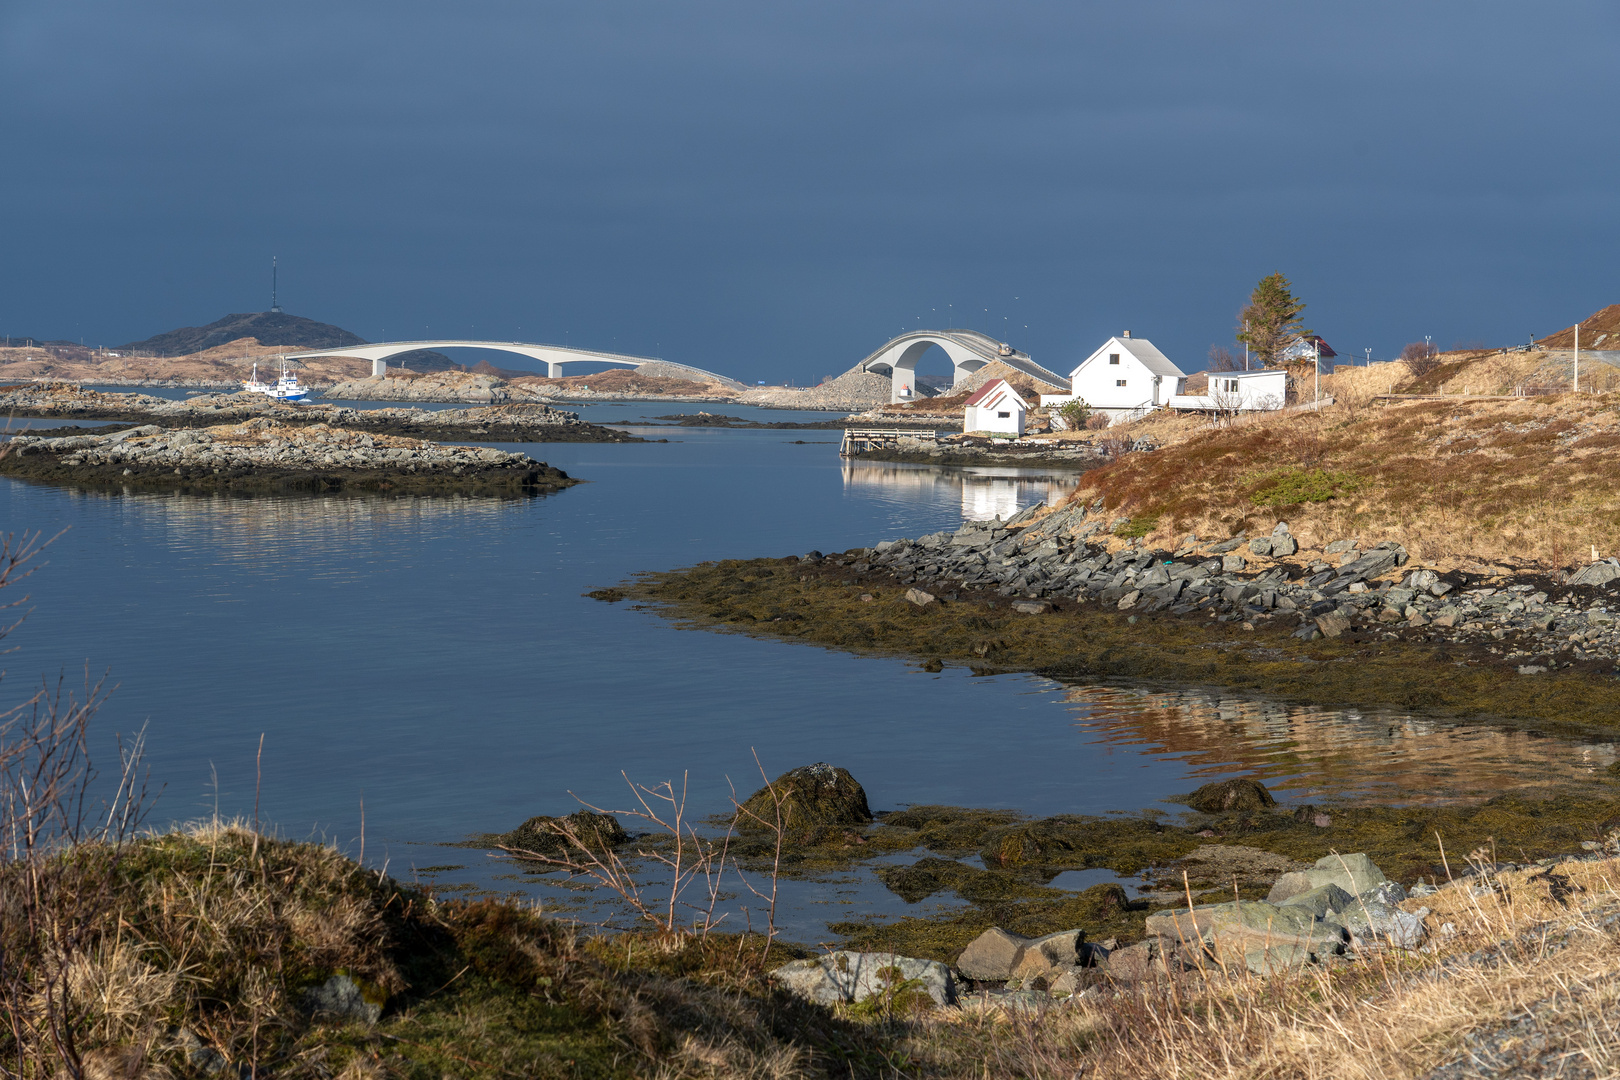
285 388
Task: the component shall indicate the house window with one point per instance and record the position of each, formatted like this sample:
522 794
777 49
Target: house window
1119 382
1004 415
1231 386
1113 358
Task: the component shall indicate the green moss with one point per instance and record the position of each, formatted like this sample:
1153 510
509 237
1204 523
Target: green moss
1138 526
1293 486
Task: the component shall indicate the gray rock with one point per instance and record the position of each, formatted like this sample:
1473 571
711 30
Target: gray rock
1280 529
848 977
920 598
1378 923
1332 623
1369 565
340 998
1599 573
1260 545
992 955
1339 546
1227 545
1050 955
1355 874
1420 580
1031 607
1321 901
1232 564
1283 545
1387 892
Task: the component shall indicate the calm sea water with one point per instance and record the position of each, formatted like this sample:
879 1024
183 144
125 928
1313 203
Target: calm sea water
435 658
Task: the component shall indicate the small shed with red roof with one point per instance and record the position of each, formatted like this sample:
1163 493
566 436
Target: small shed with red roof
995 407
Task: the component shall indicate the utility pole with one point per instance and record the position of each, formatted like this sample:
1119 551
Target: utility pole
1245 344
1316 362
1577 358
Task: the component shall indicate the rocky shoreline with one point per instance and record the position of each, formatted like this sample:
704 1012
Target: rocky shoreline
1068 596
266 455
1237 882
491 423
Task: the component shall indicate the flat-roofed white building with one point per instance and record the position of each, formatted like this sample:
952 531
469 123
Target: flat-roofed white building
1126 377
1260 390
995 407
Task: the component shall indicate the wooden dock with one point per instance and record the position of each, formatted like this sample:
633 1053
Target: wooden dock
860 440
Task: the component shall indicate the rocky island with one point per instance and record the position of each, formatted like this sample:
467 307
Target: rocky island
531 422
268 455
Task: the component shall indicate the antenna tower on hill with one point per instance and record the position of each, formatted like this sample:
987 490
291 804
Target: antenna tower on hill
275 308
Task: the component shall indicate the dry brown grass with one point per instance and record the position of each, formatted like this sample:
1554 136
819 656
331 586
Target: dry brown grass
1510 481
1521 979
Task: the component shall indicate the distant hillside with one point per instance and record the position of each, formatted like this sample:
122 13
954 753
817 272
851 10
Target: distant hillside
1598 331
270 328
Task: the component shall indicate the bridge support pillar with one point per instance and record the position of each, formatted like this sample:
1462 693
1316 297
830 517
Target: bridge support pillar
553 370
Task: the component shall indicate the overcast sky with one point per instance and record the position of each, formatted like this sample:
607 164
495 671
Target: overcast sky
774 190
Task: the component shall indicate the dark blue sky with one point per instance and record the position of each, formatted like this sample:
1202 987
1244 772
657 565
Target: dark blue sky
773 190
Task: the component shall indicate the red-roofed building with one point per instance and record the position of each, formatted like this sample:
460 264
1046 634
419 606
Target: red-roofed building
995 407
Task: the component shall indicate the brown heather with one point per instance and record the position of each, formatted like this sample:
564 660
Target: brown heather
1511 481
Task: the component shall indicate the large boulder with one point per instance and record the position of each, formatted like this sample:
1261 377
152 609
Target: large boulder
1050 956
1229 795
992 956
543 835
1263 937
848 977
1355 874
811 797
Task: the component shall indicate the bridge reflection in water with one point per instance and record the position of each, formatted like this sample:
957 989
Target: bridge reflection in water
1308 754
984 491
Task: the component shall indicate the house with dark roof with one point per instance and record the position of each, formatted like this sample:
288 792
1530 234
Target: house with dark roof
996 407
1125 378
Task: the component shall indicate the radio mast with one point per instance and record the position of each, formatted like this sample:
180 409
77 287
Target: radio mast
275 308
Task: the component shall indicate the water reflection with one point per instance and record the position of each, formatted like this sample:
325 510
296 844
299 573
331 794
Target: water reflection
984 491
1307 753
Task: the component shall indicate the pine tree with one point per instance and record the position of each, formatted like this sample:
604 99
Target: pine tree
1271 319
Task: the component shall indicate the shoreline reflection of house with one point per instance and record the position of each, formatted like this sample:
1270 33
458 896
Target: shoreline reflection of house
983 492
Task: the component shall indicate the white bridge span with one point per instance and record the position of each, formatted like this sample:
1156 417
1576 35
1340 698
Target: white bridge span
969 351
553 356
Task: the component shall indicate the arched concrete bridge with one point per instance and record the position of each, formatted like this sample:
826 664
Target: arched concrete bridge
553 356
969 351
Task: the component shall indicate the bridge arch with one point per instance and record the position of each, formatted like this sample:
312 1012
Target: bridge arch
968 350
553 356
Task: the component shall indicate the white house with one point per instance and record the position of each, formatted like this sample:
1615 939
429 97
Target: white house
995 407
1238 391
1126 377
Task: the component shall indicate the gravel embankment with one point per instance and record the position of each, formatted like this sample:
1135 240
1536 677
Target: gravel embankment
1544 622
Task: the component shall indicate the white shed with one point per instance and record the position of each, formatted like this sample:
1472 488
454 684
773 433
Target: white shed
995 407
1127 376
1238 391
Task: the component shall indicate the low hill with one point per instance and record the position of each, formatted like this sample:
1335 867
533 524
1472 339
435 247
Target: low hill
272 328
1600 330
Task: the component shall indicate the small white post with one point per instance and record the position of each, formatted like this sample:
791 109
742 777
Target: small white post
1577 358
1316 359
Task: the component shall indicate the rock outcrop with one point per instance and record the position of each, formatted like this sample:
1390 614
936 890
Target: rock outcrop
269 455
811 797
532 422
